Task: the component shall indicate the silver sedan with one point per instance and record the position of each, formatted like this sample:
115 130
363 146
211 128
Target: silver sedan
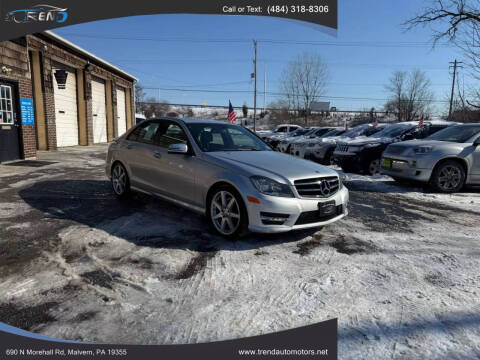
227 173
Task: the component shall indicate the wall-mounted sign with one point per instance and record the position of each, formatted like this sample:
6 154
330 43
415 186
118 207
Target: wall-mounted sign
61 77
26 109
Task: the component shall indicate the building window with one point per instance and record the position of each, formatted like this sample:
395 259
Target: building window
6 109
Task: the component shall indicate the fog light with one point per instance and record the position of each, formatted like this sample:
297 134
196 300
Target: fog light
273 218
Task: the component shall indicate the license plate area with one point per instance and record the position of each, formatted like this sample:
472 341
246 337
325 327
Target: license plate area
326 208
387 163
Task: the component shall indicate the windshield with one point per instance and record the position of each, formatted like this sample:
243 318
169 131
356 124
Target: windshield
333 132
299 132
394 130
356 131
457 133
225 137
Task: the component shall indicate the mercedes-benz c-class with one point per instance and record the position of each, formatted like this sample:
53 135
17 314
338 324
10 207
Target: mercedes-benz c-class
227 173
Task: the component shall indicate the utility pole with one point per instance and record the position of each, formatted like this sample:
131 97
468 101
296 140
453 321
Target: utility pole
255 90
455 63
264 90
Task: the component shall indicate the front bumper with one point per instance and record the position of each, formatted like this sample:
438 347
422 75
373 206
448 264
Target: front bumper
406 168
299 211
351 161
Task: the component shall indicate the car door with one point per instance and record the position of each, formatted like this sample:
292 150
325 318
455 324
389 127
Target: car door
174 174
138 153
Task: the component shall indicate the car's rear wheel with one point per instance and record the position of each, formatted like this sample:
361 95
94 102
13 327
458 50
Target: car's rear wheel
120 180
448 177
227 213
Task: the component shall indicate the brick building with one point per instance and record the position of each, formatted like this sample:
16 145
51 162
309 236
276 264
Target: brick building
55 94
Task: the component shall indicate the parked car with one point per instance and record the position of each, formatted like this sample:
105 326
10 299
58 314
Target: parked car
275 140
314 132
322 150
447 160
279 129
303 147
227 173
139 118
363 155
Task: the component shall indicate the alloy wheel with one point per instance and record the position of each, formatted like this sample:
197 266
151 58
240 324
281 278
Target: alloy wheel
119 179
225 212
449 178
374 167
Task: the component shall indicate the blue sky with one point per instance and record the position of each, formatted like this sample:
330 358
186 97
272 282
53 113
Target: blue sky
182 51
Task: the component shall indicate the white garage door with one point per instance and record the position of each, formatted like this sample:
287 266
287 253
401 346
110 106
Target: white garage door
99 112
66 120
121 112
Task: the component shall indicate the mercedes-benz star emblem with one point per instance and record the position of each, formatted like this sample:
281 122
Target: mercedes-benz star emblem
325 188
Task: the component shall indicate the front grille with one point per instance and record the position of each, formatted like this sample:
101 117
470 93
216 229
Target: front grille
310 217
342 147
394 150
317 187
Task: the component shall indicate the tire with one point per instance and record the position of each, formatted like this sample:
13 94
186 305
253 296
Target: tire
120 180
448 177
226 212
374 167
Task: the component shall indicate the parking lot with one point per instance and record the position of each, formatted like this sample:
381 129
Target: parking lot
400 272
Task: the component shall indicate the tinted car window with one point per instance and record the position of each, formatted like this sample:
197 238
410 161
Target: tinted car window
145 133
170 133
457 133
282 129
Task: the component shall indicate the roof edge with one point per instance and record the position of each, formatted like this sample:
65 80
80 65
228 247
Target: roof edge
67 43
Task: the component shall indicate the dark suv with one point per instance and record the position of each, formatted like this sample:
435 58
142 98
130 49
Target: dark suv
363 155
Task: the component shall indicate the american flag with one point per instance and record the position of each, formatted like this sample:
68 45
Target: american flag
420 122
375 124
232 115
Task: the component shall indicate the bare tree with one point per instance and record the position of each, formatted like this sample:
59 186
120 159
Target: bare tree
457 21
411 96
303 81
152 108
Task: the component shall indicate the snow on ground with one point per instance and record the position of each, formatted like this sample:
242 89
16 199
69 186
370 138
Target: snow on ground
400 272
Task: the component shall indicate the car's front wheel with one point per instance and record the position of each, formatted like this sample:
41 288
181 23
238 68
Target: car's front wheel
120 180
448 177
374 168
227 213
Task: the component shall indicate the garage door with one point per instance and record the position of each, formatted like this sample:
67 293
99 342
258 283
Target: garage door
99 112
121 112
66 120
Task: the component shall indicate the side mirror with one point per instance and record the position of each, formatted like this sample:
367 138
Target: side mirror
476 142
178 149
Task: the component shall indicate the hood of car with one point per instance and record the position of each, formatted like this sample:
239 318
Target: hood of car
411 144
364 140
272 163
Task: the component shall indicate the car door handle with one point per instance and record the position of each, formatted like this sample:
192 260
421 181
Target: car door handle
157 155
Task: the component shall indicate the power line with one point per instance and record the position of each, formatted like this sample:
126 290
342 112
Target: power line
283 94
264 41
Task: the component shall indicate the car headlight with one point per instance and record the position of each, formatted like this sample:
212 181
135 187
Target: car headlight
423 149
372 145
271 187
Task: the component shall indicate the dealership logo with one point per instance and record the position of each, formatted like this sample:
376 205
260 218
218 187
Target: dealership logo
38 13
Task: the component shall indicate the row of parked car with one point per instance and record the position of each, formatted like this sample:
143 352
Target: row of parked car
444 154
